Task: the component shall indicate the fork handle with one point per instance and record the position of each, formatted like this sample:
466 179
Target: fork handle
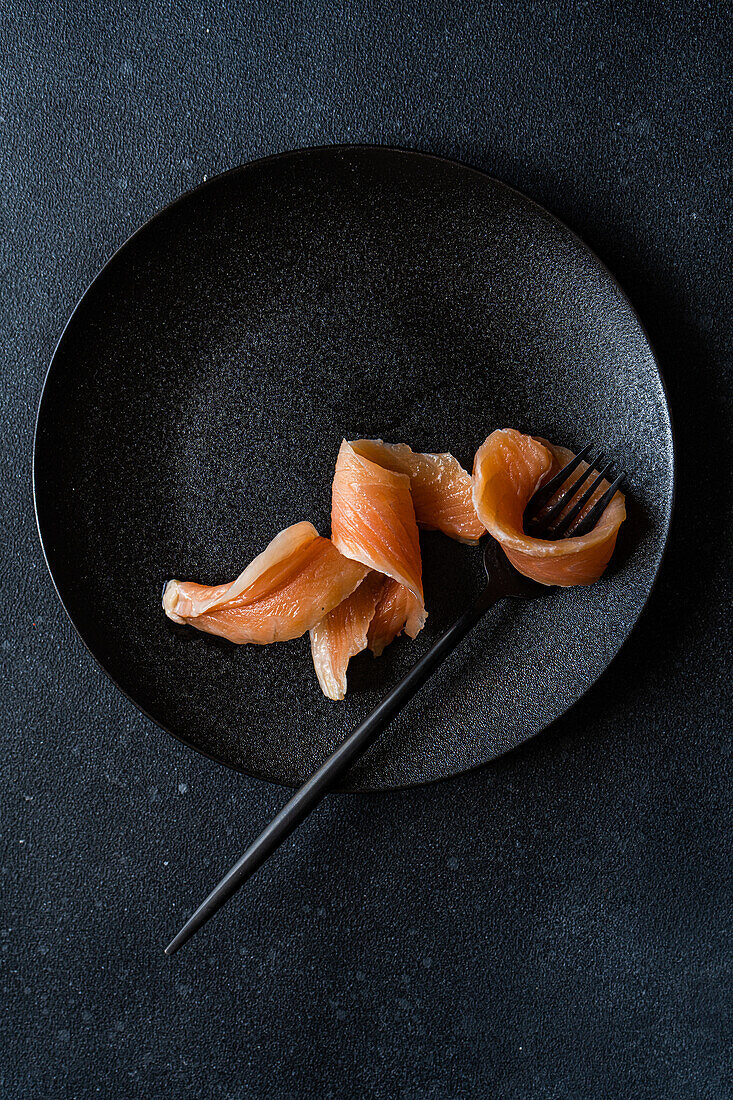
332 769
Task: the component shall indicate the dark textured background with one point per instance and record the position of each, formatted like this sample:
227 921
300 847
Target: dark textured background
552 926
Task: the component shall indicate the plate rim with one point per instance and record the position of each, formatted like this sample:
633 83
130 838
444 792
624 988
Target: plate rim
362 147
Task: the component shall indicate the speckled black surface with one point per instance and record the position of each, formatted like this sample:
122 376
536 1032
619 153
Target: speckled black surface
553 925
198 397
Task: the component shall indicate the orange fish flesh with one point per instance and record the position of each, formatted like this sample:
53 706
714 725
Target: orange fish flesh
397 610
373 518
380 492
508 469
288 588
440 487
343 633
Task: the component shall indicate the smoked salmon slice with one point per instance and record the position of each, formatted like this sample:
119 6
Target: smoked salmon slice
373 518
343 633
397 610
508 469
288 588
371 617
373 521
440 487
380 492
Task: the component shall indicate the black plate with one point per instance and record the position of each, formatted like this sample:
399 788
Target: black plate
196 402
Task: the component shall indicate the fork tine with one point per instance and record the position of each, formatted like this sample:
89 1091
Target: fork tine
542 495
546 520
557 530
588 522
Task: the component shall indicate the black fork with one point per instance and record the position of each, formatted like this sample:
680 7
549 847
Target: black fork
545 517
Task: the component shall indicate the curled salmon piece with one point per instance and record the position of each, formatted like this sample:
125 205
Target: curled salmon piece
371 617
372 522
288 588
373 518
508 469
441 489
381 492
343 633
397 609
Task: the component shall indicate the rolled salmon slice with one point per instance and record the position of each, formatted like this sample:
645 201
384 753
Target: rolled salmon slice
343 633
372 522
381 491
288 588
441 489
508 469
373 518
397 609
371 617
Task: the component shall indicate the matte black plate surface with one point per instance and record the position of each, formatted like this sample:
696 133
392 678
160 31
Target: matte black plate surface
198 396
